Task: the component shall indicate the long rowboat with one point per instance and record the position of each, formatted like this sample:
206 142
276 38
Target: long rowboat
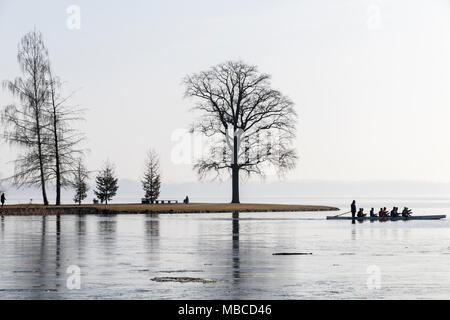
436 217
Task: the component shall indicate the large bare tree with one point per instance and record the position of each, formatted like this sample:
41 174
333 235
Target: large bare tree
26 125
64 138
250 126
43 122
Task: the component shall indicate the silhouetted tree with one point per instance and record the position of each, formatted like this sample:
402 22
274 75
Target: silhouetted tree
26 125
106 183
64 139
42 124
79 182
250 126
151 182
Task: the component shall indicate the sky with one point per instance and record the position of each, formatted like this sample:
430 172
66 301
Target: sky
370 79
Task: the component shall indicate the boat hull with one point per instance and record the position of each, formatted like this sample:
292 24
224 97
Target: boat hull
435 217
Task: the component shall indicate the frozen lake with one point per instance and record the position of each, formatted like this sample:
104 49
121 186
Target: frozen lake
119 255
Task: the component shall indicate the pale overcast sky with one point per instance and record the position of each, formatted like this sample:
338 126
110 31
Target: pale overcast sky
370 79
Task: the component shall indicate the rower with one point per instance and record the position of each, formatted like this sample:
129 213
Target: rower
406 212
394 212
383 212
361 213
372 213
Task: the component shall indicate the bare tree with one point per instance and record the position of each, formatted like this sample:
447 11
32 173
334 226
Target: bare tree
65 140
79 182
26 125
106 183
42 125
250 126
151 181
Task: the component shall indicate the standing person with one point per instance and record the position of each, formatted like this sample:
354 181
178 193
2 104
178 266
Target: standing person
353 208
3 199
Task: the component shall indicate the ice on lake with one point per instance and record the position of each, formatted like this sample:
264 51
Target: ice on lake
119 255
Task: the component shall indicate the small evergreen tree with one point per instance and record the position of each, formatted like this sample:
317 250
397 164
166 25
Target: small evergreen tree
106 183
151 181
79 183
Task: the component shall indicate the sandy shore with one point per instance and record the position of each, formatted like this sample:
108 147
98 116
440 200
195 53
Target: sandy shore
156 208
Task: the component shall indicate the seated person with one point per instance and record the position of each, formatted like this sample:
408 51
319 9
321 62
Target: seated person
361 213
394 212
372 213
383 212
406 212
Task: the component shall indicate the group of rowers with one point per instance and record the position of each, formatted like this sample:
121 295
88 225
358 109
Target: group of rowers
382 213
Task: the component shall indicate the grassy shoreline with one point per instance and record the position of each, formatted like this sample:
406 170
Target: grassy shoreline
28 209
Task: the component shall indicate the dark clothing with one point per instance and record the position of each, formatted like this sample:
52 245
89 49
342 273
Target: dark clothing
353 209
3 199
405 213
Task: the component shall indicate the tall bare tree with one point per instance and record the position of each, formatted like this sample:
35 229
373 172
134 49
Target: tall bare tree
250 126
64 142
151 181
43 123
26 125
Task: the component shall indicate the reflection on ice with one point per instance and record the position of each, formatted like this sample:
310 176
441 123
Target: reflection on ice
118 255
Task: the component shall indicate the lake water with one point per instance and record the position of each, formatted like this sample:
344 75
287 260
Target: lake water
119 255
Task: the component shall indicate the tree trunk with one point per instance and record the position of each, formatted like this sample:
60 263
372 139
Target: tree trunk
58 164
41 162
39 138
235 172
58 170
56 143
41 165
235 178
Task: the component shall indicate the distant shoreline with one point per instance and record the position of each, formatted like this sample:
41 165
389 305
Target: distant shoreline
41 210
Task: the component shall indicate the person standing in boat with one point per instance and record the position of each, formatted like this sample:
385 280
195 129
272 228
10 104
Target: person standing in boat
353 209
3 199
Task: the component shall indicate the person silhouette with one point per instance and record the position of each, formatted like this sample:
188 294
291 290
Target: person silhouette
186 200
353 208
3 199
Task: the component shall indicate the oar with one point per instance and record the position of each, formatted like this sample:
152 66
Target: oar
342 214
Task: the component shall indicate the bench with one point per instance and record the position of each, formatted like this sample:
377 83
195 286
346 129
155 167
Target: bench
158 201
